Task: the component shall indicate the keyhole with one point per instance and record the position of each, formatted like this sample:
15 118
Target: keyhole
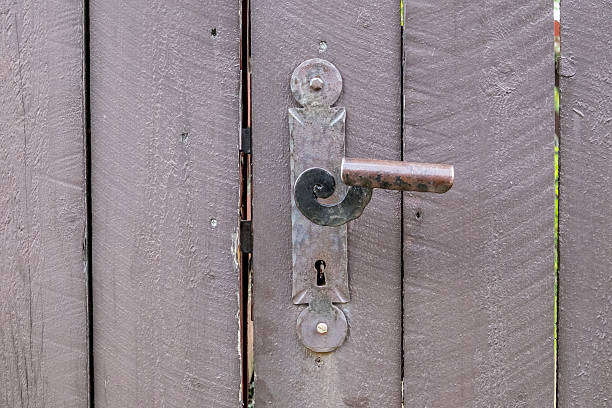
320 268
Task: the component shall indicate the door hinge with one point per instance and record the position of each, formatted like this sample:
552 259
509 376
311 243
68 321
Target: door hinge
246 236
245 140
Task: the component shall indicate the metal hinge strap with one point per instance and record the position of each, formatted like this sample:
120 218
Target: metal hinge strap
245 140
246 236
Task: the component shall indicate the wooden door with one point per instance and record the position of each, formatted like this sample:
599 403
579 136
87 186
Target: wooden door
125 187
479 275
453 296
43 228
585 253
363 40
165 83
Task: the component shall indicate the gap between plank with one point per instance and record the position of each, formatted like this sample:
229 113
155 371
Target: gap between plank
557 56
402 305
88 233
246 322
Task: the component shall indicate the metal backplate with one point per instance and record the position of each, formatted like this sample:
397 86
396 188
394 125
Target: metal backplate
319 252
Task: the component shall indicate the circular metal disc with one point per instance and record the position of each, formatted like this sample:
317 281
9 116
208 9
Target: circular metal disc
337 328
330 89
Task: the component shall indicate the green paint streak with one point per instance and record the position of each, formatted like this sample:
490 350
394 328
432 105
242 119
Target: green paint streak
556 249
557 55
402 12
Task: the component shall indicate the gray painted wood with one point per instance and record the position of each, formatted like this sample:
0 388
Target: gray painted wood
43 269
585 269
165 179
479 274
362 39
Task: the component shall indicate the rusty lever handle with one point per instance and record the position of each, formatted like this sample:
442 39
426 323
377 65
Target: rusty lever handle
397 175
363 175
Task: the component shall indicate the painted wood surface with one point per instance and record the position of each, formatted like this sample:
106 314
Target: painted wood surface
165 83
43 268
478 261
585 268
363 40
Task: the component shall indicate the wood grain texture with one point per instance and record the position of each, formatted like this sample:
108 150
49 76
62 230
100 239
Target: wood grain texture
165 82
585 269
43 279
479 274
363 40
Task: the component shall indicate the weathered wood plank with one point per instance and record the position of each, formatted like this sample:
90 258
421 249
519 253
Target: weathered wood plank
585 269
165 83
43 269
363 40
479 274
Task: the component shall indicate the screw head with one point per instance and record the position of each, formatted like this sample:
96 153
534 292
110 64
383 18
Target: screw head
322 328
316 83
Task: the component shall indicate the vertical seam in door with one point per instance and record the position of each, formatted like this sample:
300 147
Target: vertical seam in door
88 233
402 199
245 201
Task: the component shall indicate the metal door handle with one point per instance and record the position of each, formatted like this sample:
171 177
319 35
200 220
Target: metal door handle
363 175
397 175
321 206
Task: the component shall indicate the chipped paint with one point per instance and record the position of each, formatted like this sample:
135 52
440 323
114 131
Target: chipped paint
235 247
